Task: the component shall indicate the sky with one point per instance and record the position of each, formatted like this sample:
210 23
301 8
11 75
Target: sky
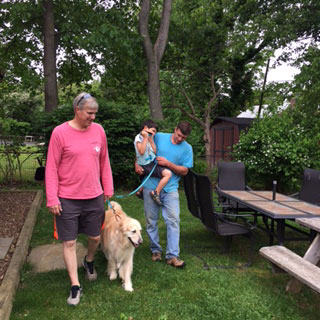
281 73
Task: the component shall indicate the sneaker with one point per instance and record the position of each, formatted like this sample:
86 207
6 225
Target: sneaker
155 197
91 273
175 262
74 297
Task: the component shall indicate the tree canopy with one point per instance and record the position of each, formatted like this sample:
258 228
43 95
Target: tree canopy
212 64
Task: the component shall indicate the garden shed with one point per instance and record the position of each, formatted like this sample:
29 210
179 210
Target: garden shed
225 132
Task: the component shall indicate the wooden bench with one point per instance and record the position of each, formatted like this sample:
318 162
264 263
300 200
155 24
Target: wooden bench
295 265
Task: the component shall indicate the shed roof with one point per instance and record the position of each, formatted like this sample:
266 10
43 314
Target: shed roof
239 121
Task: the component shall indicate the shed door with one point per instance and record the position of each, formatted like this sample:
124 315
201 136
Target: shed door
222 143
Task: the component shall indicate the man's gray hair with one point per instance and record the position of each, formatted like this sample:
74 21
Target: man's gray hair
82 98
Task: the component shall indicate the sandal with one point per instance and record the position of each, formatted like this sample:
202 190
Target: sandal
155 197
139 194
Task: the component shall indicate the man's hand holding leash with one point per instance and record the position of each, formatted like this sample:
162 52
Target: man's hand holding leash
56 210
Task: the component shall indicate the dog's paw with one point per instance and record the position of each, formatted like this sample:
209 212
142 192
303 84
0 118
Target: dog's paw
113 276
127 287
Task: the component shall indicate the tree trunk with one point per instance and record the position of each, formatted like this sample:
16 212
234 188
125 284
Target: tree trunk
154 91
154 53
49 59
1 75
207 143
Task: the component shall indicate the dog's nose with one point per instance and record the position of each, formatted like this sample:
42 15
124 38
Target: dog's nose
140 240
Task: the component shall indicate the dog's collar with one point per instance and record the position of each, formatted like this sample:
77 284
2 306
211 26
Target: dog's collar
113 210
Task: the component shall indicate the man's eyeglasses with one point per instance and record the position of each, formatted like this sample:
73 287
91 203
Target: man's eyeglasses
85 96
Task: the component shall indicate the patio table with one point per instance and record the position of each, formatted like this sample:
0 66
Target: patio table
278 210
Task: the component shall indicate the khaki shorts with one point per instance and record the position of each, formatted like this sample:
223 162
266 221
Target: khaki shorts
80 216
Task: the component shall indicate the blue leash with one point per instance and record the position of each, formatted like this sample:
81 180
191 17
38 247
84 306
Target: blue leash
134 191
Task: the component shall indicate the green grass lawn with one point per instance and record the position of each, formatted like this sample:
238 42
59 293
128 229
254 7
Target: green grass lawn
162 292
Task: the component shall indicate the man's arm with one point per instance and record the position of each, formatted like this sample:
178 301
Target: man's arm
179 170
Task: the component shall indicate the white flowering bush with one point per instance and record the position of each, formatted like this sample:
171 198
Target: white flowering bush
278 148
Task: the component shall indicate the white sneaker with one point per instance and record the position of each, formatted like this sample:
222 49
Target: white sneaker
74 297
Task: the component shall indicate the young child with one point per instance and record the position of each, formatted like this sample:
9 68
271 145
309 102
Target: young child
146 154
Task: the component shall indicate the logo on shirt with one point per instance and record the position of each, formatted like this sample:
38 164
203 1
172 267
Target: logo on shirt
97 148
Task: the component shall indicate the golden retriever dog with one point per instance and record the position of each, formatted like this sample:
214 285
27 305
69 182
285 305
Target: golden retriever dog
119 238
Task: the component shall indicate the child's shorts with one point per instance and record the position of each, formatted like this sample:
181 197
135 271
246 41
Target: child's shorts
157 171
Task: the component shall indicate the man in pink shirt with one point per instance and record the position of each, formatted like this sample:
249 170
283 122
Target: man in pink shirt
78 182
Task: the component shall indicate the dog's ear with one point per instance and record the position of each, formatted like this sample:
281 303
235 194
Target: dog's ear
123 227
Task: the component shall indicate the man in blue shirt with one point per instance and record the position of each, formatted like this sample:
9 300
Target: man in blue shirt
176 154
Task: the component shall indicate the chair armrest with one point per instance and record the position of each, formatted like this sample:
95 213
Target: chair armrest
249 226
221 199
234 215
248 223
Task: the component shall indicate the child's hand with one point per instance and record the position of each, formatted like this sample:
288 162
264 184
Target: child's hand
145 133
138 169
163 162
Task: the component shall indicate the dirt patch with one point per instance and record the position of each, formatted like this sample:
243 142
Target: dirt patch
14 207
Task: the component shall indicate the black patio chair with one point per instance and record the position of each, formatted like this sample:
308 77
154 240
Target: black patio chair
310 188
231 176
199 198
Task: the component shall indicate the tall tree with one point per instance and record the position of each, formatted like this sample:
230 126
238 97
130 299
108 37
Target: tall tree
89 36
216 51
154 52
49 57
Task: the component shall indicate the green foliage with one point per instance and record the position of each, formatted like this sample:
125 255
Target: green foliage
278 148
12 127
306 87
20 51
121 124
12 147
105 43
230 40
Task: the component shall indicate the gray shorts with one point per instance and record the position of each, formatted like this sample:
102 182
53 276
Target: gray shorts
80 216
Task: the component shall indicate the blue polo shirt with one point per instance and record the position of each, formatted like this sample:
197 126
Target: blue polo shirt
179 154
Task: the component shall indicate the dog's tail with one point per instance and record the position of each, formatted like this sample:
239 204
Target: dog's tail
115 205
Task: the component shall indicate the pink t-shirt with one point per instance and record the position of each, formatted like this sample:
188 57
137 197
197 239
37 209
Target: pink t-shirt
78 165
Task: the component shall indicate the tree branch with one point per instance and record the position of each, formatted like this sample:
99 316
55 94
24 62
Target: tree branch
188 114
162 38
181 90
215 93
143 27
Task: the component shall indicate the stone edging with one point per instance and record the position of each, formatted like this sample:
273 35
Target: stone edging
12 277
